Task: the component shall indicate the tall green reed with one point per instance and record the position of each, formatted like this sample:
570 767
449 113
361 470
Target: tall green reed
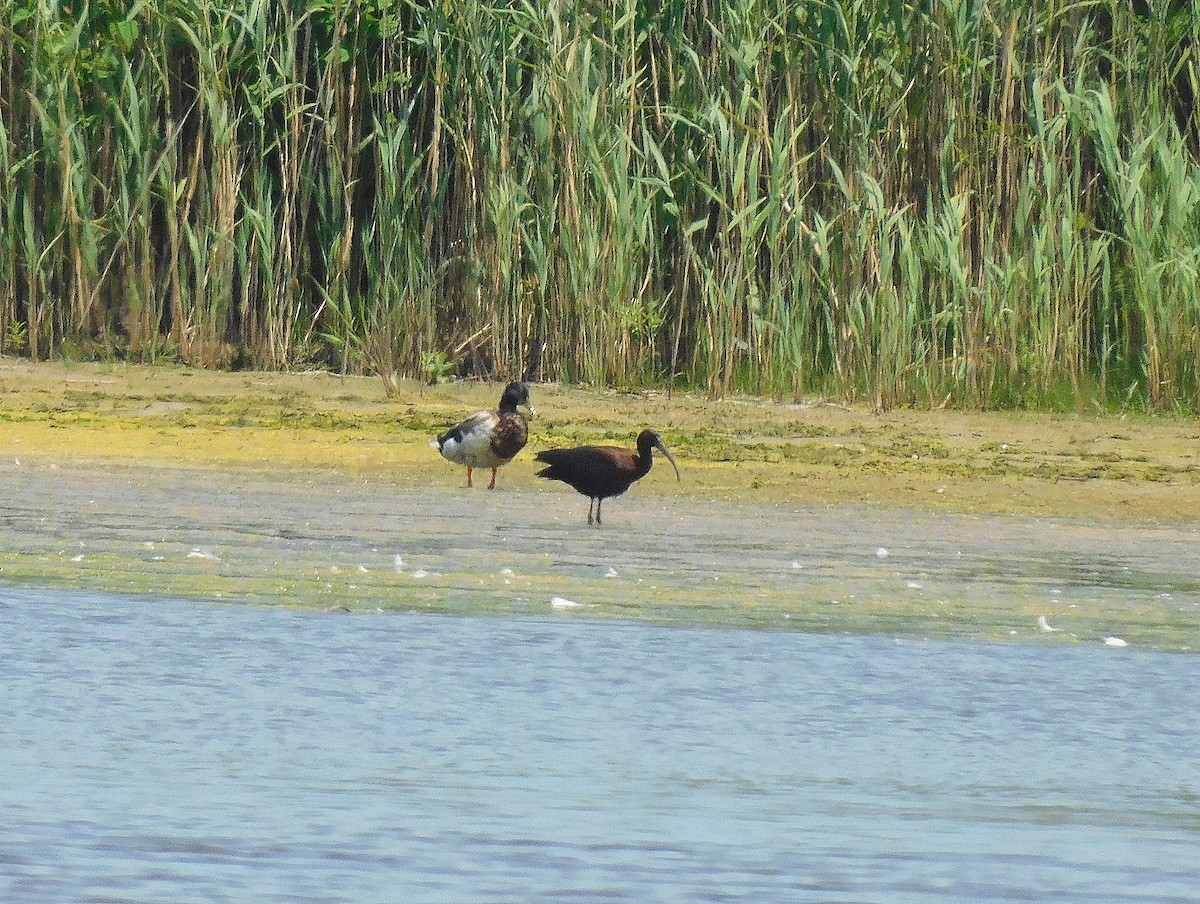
947 203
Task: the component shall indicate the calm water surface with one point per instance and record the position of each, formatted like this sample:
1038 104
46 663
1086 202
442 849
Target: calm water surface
168 751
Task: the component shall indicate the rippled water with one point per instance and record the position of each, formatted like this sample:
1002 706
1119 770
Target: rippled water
163 751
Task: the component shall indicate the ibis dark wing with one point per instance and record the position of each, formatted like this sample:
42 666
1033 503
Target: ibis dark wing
595 471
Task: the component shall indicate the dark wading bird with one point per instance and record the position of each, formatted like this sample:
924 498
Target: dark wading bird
489 439
602 471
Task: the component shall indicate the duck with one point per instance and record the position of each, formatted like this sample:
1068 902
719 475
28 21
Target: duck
489 439
600 472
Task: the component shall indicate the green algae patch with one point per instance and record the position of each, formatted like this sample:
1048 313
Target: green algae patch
841 607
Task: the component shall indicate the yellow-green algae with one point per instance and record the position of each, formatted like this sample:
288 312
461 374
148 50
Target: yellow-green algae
1105 467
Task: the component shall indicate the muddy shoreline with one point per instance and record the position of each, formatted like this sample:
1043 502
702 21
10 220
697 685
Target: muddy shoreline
1106 468
317 492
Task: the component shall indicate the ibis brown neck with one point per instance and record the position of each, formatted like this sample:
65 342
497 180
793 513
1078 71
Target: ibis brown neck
645 456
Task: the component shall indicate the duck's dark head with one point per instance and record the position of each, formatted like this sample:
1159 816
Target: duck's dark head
516 394
647 441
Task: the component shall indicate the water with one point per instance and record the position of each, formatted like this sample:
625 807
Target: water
158 751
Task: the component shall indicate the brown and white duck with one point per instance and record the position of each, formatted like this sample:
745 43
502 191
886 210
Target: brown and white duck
490 439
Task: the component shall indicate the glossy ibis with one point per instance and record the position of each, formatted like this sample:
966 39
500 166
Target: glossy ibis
602 471
489 439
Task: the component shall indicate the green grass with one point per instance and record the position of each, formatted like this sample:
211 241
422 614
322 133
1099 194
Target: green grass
977 205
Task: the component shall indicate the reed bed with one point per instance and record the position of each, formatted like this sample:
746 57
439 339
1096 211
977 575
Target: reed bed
944 203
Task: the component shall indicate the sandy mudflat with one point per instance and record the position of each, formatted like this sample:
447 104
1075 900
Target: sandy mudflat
316 491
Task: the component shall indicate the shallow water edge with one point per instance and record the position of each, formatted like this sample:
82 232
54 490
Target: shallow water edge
328 541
